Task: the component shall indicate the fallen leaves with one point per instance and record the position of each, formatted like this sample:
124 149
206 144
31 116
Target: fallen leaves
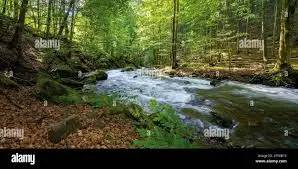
100 131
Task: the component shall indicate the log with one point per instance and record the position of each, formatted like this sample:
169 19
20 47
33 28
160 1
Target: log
61 130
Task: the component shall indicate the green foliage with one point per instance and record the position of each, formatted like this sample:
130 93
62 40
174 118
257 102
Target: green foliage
160 138
168 130
7 82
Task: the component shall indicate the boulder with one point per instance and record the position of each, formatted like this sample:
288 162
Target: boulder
64 71
96 76
214 82
72 83
61 130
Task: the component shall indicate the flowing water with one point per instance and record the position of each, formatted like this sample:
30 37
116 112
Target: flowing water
256 115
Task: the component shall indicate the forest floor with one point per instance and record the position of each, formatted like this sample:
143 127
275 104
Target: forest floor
30 114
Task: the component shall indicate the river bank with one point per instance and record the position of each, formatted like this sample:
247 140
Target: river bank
287 77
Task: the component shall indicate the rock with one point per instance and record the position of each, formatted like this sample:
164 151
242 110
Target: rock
49 88
214 82
186 82
101 75
96 76
61 130
72 83
64 71
127 69
221 121
56 92
135 76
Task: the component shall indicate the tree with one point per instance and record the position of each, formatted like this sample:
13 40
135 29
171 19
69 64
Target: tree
264 34
64 22
4 7
287 12
174 34
16 9
49 18
274 28
18 35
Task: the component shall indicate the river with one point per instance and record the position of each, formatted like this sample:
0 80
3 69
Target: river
256 115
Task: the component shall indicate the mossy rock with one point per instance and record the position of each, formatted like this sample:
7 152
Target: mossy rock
52 88
56 92
64 71
220 120
214 82
72 83
97 76
7 82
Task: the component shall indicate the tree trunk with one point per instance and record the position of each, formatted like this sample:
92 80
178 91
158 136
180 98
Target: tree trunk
49 18
174 62
72 24
10 13
287 12
4 7
54 16
18 35
264 45
274 29
38 15
16 9
176 30
64 22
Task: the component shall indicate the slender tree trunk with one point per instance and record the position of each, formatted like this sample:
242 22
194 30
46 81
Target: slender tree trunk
33 15
4 7
18 35
49 18
54 16
176 30
246 36
274 29
174 64
10 11
16 9
264 45
72 24
38 15
64 22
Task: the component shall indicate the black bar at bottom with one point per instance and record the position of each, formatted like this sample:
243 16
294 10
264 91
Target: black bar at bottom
200 158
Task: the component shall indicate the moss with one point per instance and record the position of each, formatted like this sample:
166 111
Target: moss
64 71
56 92
7 82
119 109
96 76
72 83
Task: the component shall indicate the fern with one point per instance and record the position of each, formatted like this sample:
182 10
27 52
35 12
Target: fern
168 130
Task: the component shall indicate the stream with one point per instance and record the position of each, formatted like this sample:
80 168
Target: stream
257 115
